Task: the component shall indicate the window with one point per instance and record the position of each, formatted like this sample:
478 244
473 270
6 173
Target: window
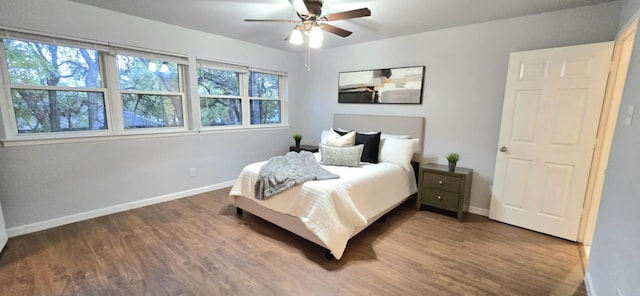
234 96
59 88
220 100
151 90
54 88
264 90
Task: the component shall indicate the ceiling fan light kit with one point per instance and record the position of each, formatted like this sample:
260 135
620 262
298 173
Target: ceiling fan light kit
296 37
312 23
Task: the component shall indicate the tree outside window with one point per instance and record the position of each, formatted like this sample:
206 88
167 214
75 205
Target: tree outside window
151 93
264 89
55 88
220 101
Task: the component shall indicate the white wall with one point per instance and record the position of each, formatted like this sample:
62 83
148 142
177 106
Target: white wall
614 262
466 68
465 79
67 181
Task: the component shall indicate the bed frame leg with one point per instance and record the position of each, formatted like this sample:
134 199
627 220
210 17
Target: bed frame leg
328 255
239 211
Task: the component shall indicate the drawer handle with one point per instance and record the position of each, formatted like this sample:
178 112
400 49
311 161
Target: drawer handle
440 182
439 197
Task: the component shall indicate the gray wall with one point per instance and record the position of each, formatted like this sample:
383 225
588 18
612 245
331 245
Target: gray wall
466 68
43 182
615 254
465 79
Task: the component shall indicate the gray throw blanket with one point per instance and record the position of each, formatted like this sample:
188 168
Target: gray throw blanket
283 172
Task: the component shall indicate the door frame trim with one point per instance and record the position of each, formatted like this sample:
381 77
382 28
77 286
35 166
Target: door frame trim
606 128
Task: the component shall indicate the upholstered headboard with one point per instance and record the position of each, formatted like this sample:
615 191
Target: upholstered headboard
399 125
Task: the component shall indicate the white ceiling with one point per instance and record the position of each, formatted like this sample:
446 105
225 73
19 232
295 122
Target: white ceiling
389 18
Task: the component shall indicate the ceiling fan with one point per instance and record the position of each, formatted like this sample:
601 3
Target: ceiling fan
310 13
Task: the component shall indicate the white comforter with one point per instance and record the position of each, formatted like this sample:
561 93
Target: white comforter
333 209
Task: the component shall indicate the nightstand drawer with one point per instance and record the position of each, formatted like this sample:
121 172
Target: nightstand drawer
440 198
442 182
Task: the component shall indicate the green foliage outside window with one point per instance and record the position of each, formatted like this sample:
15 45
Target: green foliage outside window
53 67
148 110
59 88
215 87
264 85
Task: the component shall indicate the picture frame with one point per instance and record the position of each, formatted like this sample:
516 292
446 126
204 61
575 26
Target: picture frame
401 85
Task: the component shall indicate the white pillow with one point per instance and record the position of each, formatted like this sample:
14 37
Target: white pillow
384 136
399 151
336 140
341 156
324 136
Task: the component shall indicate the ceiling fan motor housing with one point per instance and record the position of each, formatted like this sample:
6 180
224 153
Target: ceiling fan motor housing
314 7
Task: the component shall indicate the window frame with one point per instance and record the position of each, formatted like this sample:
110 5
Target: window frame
107 56
281 91
182 64
10 128
242 92
245 99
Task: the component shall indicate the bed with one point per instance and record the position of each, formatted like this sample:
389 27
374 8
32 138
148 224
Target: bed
330 212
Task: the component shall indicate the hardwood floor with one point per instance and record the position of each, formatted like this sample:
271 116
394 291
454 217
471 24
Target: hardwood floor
198 246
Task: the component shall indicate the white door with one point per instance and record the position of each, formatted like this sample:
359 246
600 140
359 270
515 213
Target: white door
552 104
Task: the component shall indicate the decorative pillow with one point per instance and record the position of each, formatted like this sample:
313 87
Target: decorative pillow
341 156
337 140
384 136
324 136
371 142
399 151
341 132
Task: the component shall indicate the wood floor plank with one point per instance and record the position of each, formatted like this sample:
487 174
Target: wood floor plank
199 246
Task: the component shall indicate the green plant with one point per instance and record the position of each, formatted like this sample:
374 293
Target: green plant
452 157
297 137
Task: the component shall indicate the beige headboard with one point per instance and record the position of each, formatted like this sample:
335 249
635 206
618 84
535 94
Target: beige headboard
398 125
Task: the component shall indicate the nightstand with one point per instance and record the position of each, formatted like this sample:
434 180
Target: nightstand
450 191
309 148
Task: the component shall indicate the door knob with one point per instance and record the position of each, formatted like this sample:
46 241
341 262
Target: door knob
503 149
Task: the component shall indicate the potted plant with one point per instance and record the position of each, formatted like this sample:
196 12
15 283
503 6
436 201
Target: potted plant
297 138
452 158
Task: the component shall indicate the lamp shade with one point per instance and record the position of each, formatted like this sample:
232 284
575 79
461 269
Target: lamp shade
296 37
314 43
316 34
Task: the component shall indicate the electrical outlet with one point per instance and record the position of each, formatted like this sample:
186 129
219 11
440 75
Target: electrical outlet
192 172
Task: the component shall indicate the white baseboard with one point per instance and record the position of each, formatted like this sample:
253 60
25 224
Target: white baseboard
589 284
479 211
33 227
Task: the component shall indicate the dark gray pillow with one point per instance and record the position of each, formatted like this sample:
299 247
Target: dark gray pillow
371 142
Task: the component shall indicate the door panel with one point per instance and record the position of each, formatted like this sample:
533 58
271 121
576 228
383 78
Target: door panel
524 121
516 181
553 99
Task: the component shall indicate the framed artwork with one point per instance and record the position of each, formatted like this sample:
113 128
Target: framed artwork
382 86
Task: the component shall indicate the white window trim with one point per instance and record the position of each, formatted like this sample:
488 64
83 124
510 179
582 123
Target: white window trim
9 136
244 97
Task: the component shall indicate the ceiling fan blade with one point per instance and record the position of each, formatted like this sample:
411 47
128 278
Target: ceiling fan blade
271 20
300 7
347 14
335 30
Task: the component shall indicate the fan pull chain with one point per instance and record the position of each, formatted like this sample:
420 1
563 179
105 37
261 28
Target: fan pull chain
307 55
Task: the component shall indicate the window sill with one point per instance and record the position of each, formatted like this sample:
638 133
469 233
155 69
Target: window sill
90 138
240 128
32 141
